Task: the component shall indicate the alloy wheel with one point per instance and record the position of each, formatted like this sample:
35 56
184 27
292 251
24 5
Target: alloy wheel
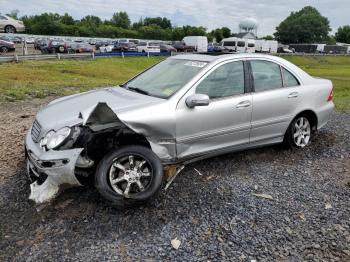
130 174
301 132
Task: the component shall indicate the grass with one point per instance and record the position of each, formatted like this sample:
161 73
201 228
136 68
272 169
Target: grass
38 79
335 68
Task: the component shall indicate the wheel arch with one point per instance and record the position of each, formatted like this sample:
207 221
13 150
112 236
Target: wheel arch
311 116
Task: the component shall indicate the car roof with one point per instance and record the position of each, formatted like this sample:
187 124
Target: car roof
223 57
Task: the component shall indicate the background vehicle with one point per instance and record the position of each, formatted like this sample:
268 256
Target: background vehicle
250 46
200 43
266 46
230 44
215 47
82 48
181 46
284 50
125 47
167 48
55 46
10 25
6 46
107 47
148 47
128 40
186 108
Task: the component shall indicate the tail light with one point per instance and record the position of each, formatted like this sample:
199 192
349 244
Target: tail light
81 50
330 97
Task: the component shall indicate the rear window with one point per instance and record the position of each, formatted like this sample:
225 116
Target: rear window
251 45
289 79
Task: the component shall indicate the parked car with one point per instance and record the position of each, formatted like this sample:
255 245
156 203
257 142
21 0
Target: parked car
167 48
40 43
186 108
108 47
11 38
55 46
125 47
11 25
215 47
30 40
6 46
180 46
82 48
148 47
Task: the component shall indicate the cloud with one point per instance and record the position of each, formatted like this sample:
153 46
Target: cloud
210 14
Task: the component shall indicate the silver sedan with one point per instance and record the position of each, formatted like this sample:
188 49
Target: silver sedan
186 108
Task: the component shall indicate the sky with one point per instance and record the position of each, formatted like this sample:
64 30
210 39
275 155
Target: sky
210 14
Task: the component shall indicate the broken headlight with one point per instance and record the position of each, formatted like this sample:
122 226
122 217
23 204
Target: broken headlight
54 139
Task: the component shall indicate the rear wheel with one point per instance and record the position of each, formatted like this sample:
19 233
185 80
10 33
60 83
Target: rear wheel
3 49
129 176
299 133
10 29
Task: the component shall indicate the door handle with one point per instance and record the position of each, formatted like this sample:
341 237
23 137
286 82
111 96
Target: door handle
293 95
243 104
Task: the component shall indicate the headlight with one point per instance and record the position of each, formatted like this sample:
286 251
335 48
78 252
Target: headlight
54 139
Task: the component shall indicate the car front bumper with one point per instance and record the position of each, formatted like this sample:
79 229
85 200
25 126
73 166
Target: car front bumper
56 168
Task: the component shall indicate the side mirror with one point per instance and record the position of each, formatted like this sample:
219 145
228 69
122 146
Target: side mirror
197 100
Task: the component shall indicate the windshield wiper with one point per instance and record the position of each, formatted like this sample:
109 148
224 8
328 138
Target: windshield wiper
138 90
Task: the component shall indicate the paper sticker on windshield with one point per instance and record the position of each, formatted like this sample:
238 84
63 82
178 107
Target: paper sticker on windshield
195 64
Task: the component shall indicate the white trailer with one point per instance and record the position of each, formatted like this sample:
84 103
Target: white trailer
200 43
266 46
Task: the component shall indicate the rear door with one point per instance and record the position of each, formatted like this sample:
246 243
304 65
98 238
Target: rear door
275 99
225 122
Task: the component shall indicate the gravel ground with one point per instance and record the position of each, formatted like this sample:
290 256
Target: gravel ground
215 214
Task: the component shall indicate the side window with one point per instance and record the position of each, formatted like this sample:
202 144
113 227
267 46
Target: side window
3 17
226 80
267 75
289 79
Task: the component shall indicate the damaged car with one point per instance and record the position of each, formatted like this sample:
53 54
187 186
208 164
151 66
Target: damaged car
183 109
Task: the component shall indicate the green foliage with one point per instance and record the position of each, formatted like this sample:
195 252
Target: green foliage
226 32
157 21
118 26
121 19
304 26
343 34
268 37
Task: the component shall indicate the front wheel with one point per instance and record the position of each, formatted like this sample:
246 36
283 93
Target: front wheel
299 133
129 176
4 49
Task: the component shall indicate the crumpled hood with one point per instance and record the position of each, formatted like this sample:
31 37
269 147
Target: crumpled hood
65 111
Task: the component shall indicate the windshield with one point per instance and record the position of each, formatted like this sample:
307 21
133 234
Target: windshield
165 78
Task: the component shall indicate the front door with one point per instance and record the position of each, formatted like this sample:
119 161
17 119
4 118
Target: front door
225 122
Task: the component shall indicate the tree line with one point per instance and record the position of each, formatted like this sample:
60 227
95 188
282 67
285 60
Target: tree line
304 26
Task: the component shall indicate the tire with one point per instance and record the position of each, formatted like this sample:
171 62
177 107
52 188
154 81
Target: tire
61 49
144 168
299 133
3 49
10 29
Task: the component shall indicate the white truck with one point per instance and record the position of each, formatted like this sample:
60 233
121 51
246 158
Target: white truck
148 47
200 43
266 46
